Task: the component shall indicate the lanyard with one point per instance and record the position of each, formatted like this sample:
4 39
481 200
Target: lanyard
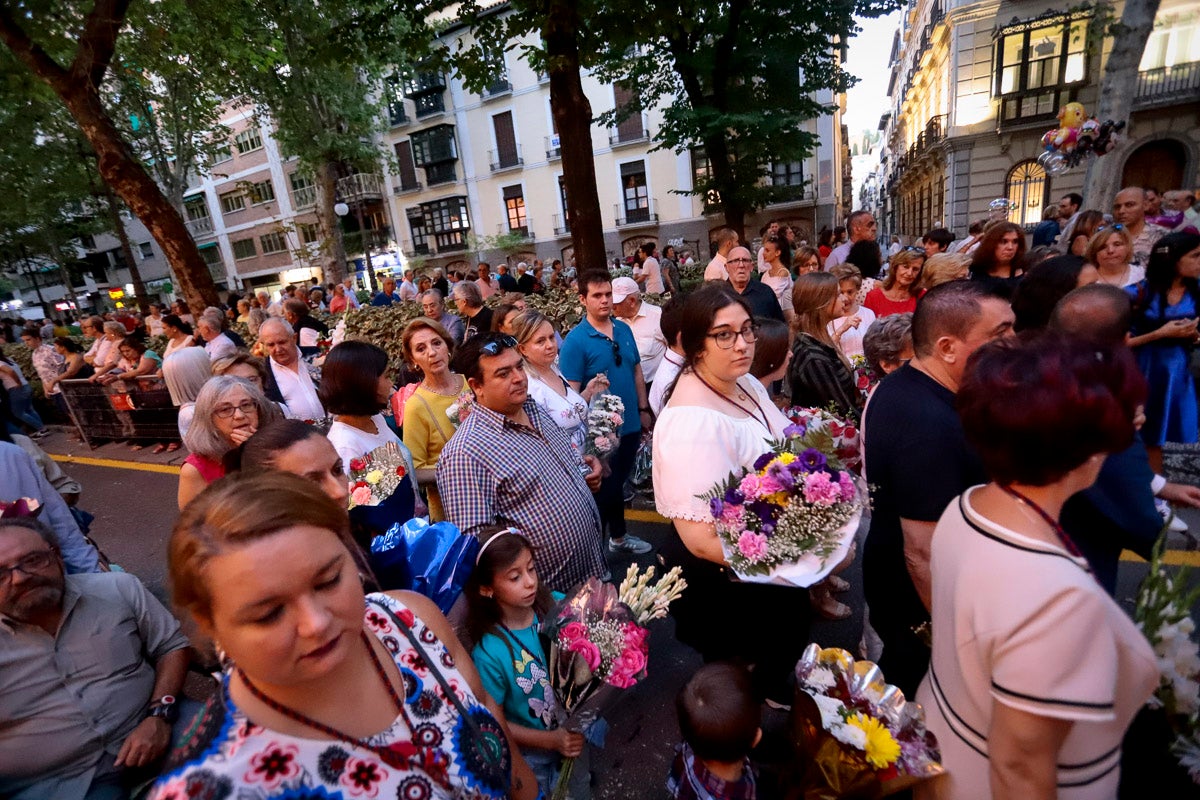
541 663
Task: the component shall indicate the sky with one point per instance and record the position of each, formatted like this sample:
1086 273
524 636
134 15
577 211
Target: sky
867 60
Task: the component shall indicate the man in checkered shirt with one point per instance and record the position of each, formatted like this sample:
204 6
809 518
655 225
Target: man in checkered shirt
511 464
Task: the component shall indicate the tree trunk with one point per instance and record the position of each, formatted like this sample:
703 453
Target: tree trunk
573 118
68 284
1129 36
135 275
333 255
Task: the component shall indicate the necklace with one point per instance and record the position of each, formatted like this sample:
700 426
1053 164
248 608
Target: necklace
398 754
761 416
1066 540
452 393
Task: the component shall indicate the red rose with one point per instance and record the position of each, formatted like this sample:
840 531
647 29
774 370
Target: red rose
360 485
851 431
358 464
401 471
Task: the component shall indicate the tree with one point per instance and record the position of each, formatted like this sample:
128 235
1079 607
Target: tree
1117 90
311 70
69 46
737 78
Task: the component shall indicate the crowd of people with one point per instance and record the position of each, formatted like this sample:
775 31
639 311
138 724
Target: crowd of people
989 559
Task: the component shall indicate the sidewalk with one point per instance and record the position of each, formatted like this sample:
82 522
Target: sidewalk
61 443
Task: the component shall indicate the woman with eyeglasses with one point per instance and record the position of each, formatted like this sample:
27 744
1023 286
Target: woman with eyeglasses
1109 251
715 422
228 411
819 374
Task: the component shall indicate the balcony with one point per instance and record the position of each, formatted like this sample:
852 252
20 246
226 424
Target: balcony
623 137
359 187
407 188
1167 85
628 217
304 197
201 226
562 227
422 83
523 231
420 249
506 159
396 114
788 193
553 149
497 88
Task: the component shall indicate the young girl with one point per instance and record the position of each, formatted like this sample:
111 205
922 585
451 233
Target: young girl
505 606
849 329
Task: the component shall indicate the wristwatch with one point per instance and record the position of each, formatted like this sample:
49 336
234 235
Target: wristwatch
164 708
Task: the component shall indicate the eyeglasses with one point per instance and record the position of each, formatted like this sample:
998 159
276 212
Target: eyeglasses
34 562
726 338
225 412
739 261
498 343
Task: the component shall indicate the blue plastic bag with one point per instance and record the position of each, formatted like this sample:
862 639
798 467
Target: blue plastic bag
432 560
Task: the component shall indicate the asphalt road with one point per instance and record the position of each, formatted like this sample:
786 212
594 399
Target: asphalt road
135 510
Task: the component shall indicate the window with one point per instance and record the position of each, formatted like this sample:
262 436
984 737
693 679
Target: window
248 141
434 150
304 191
702 175
566 216
506 154
1039 63
635 192
274 242
262 192
406 168
787 174
1028 193
147 250
232 201
630 129
195 209
393 92
514 208
222 154
426 90
310 232
448 221
416 225
244 248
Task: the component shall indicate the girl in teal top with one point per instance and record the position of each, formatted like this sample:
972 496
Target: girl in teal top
506 604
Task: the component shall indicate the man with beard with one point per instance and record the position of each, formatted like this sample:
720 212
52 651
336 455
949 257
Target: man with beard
90 668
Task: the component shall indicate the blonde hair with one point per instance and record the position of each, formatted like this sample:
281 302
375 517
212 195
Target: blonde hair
902 259
942 268
1100 239
847 272
525 324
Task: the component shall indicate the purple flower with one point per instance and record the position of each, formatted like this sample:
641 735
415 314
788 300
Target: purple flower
763 460
714 507
795 429
812 459
767 512
734 497
780 473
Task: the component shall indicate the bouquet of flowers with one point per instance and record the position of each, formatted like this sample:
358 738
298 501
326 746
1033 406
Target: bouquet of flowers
1162 611
606 414
791 518
824 430
375 476
864 377
598 645
461 407
854 734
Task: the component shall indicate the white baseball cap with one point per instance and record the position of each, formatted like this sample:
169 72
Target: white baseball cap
622 288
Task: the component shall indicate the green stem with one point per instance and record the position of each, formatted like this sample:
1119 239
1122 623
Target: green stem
564 779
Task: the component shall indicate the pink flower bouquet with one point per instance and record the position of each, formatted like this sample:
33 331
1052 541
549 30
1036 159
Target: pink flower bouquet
606 415
791 518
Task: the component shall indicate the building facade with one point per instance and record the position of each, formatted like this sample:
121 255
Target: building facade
975 85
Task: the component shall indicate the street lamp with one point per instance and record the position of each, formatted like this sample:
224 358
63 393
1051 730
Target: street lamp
341 209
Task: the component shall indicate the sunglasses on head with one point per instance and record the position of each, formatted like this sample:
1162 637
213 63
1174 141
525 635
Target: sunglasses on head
1116 226
497 343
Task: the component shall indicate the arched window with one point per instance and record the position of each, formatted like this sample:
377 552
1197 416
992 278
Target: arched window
1028 192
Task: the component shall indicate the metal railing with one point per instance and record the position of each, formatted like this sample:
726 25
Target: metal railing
304 197
617 137
496 88
647 215
505 159
553 147
562 227
405 188
200 226
1168 84
360 186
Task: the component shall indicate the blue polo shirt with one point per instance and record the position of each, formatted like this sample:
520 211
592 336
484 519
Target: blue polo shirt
586 352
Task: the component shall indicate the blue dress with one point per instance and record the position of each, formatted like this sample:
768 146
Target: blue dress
1171 408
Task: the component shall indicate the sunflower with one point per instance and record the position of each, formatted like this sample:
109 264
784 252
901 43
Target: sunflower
882 749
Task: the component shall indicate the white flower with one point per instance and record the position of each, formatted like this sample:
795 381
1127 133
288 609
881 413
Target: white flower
1188 751
821 678
831 711
851 735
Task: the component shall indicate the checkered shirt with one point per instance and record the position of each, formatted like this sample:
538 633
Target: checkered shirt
493 471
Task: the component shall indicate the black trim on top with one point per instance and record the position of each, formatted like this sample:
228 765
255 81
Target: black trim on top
1000 539
1050 701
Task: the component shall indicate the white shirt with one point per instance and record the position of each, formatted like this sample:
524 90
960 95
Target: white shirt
351 298
895 248
220 347
715 271
668 368
852 340
837 256
175 345
650 273
408 290
300 399
154 325
275 309
569 413
782 287
763 266
647 332
350 443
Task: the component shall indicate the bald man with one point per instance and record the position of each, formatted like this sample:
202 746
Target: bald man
1129 210
762 300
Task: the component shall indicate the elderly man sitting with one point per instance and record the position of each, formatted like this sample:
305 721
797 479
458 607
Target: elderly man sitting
90 668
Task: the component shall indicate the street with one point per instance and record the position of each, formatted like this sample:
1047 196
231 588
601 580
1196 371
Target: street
136 508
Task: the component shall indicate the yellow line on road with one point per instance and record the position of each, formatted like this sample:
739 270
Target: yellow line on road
169 469
638 515
1175 558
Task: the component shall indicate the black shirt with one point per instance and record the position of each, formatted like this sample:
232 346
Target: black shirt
525 283
762 300
918 460
480 323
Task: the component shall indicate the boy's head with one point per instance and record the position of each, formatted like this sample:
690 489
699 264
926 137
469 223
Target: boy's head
718 715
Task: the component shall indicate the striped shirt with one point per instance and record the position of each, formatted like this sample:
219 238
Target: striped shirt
819 378
497 472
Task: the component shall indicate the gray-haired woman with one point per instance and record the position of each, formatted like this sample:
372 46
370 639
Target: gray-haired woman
228 411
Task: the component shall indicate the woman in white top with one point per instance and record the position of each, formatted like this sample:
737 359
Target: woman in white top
849 329
355 388
178 333
1036 672
1110 250
717 420
777 276
538 345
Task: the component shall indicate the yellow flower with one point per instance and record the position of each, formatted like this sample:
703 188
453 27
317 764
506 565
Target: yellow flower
882 749
786 458
374 476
